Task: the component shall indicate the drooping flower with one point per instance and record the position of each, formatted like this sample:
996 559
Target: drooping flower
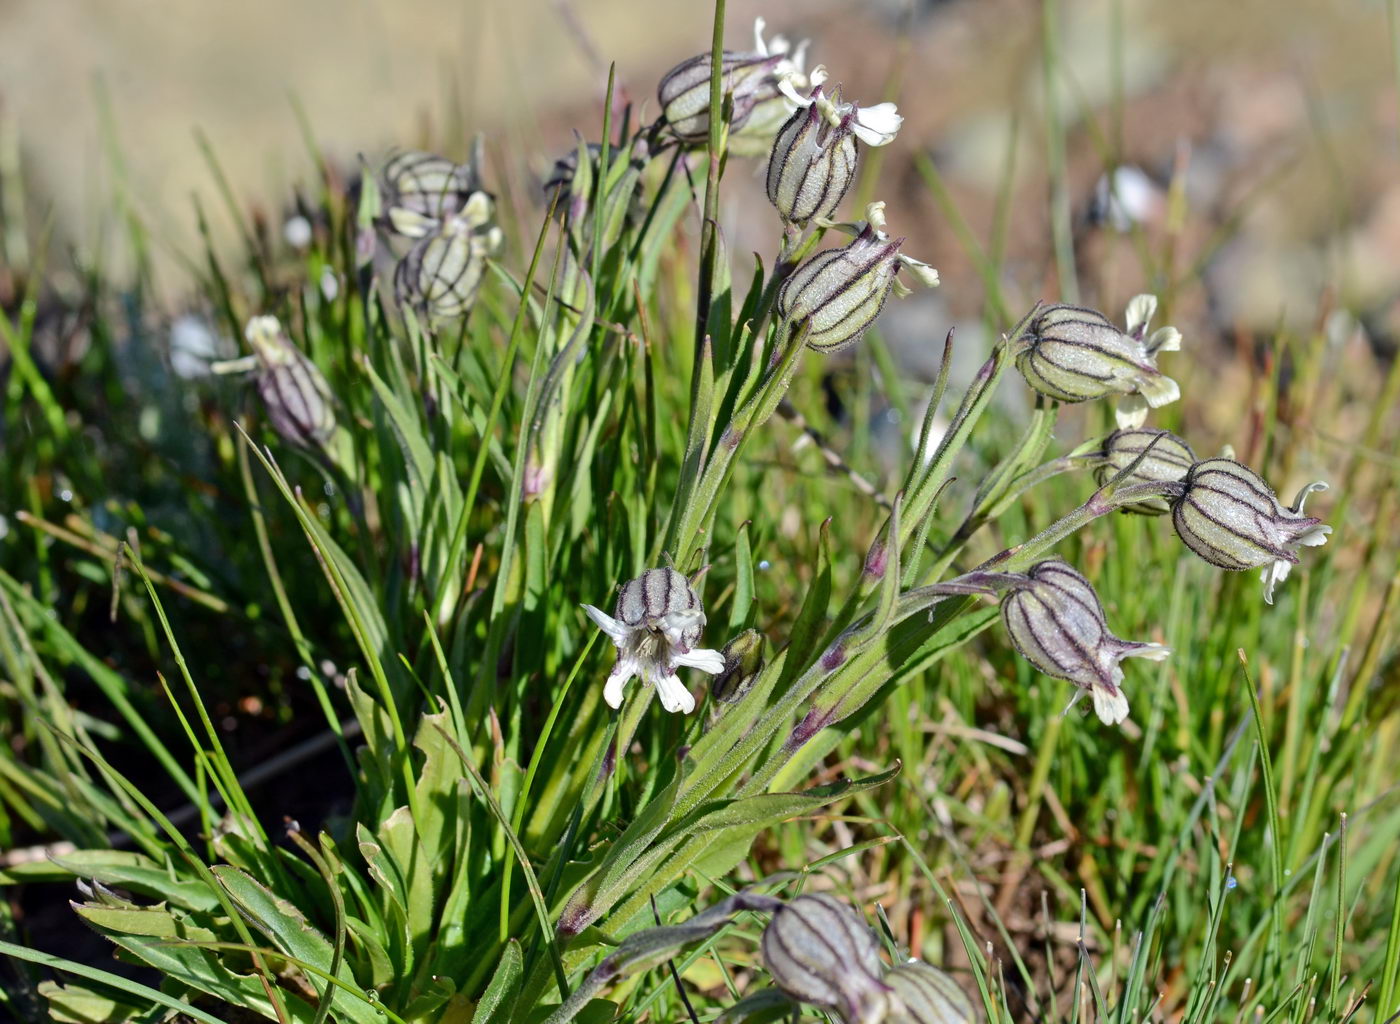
1165 458
423 189
440 275
1056 622
1229 516
294 391
840 292
752 81
1074 354
927 995
820 952
814 156
655 627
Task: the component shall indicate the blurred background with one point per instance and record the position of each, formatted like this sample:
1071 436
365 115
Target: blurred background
1276 121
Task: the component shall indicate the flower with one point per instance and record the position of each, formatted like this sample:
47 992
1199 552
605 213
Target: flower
751 79
840 292
1056 622
927 996
655 627
1075 354
1167 459
295 393
424 189
1229 516
442 272
814 156
820 952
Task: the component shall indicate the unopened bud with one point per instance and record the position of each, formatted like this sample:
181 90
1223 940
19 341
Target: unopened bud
1167 460
928 996
743 660
840 292
1056 622
821 953
442 272
751 80
1075 354
294 392
1229 516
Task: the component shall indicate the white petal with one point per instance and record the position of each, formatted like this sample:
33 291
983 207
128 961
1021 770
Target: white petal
1111 706
1314 537
1316 485
1164 339
622 672
877 125
609 625
1274 573
1131 412
758 26
410 223
702 658
923 273
1153 652
1141 309
674 696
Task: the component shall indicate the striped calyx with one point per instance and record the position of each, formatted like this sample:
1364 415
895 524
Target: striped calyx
821 953
1229 516
423 190
294 392
1056 622
743 660
750 79
1074 354
440 275
839 293
655 626
927 995
661 599
812 164
1167 460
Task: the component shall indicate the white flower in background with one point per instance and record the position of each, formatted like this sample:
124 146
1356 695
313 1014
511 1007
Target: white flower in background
297 232
655 627
193 346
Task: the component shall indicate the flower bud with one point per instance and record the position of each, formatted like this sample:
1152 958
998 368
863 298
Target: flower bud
423 189
821 953
1056 622
297 398
1229 516
750 79
814 155
1075 355
442 272
840 292
928 995
1167 460
743 660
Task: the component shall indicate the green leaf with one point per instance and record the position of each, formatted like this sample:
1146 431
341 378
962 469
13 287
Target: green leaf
287 928
157 939
138 873
498 1000
79 1004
